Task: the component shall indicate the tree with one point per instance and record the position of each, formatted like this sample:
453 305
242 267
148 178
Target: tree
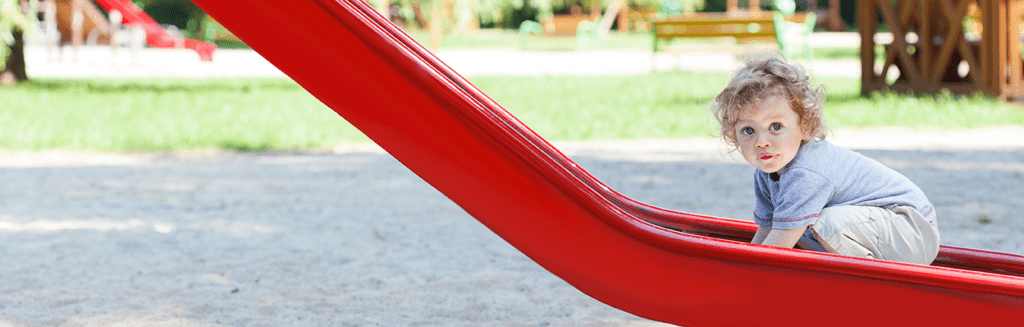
16 18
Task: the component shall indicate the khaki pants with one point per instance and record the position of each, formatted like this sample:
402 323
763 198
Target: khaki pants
901 234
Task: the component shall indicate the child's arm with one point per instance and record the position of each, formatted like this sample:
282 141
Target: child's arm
761 233
784 238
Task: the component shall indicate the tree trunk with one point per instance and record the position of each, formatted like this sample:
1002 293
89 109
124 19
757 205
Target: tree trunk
14 70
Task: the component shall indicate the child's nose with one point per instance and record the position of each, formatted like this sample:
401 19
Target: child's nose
762 141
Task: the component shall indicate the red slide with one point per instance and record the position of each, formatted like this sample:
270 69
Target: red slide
156 36
663 265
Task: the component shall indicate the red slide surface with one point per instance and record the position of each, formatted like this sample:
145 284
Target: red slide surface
156 36
663 265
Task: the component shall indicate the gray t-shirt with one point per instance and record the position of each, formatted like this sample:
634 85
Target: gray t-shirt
825 175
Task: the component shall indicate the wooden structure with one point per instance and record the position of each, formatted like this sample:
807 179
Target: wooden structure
829 18
565 25
742 26
732 6
77 19
642 19
931 51
639 19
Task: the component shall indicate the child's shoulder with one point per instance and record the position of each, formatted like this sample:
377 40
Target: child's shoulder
829 159
818 155
823 149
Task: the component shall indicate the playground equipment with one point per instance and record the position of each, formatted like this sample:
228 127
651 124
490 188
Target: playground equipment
668 266
931 52
73 22
831 21
76 19
156 36
80 21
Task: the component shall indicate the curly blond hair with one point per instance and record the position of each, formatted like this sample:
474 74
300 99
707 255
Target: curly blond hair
764 76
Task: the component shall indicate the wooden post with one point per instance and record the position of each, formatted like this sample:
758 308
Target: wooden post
436 25
835 21
732 5
992 28
466 21
1015 88
115 31
1002 42
754 5
384 8
77 22
925 44
867 23
624 18
605 23
50 32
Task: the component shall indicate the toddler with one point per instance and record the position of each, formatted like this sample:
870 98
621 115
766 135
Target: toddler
808 191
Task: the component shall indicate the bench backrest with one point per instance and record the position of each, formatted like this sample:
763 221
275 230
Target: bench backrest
751 26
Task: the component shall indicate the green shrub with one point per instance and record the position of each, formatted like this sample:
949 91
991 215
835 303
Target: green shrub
183 14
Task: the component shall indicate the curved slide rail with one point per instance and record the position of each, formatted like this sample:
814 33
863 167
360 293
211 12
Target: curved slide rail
156 36
655 263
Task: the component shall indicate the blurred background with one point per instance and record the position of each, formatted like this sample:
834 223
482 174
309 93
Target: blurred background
155 75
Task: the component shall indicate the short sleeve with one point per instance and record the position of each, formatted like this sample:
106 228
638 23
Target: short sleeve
801 196
763 208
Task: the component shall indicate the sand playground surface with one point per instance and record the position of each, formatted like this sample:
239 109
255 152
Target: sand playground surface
351 237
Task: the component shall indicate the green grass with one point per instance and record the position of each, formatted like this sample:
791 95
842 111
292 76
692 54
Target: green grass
509 39
248 114
614 107
148 115
673 105
498 38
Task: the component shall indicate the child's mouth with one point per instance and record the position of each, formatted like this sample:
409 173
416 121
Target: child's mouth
766 156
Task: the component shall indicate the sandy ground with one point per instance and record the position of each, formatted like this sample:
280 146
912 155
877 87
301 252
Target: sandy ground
353 238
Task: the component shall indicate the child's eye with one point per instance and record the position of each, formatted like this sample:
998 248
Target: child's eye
747 131
776 127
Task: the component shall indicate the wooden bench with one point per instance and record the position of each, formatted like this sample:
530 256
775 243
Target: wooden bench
565 25
741 26
639 20
582 27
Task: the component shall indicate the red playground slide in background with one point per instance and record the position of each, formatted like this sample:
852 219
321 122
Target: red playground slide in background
156 36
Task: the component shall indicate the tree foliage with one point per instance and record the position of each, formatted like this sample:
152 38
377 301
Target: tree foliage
15 16
183 14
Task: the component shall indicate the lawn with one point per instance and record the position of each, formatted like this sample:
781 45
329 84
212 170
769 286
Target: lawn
248 114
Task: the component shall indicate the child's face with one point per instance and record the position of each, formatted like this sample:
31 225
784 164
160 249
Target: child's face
769 134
